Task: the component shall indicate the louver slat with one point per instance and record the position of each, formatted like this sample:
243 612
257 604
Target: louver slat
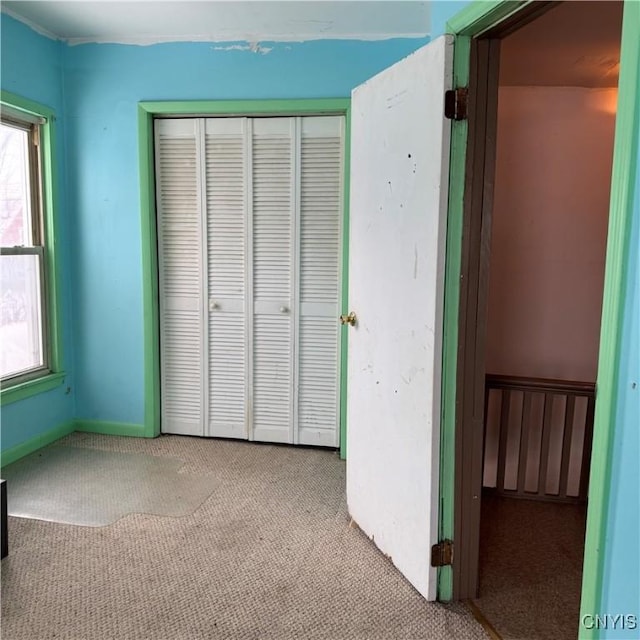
226 177
179 221
320 211
273 211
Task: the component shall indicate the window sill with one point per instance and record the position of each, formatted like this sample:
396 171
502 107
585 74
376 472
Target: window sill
31 388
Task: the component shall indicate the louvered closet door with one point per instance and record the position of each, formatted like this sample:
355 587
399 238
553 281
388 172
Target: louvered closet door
320 213
180 276
249 232
272 233
226 205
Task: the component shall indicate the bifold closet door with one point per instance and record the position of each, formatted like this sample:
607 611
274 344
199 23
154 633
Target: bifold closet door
249 231
272 236
297 168
179 213
226 205
319 231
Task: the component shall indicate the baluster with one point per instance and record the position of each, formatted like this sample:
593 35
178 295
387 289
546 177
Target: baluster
586 448
569 411
544 447
504 432
524 441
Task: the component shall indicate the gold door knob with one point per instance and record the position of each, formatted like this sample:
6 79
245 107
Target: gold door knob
349 319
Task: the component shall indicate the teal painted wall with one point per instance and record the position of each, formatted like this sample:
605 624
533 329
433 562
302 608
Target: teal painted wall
102 86
94 90
31 67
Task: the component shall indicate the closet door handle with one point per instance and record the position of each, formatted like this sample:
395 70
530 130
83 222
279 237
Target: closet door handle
284 309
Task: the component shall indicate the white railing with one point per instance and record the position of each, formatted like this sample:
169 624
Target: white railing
537 438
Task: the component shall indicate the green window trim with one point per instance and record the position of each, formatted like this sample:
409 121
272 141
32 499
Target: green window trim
151 324
55 375
32 387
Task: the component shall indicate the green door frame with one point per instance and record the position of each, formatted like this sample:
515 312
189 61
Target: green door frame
476 19
224 108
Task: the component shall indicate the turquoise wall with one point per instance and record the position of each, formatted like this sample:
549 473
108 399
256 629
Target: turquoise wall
102 86
94 90
31 67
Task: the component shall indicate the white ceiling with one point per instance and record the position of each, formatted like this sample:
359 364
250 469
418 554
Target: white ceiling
573 44
150 21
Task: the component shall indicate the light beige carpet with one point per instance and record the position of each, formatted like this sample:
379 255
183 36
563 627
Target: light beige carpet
269 555
531 568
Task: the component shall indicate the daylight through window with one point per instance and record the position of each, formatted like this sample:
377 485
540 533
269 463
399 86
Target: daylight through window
23 344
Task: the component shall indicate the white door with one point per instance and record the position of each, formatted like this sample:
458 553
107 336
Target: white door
227 330
272 237
319 252
399 188
180 269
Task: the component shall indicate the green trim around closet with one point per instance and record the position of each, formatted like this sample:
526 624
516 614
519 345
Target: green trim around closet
151 327
151 323
247 107
344 329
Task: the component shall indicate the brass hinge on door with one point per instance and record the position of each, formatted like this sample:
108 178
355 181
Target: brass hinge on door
455 103
442 553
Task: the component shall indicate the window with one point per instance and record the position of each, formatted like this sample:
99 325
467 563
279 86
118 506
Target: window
29 345
24 350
